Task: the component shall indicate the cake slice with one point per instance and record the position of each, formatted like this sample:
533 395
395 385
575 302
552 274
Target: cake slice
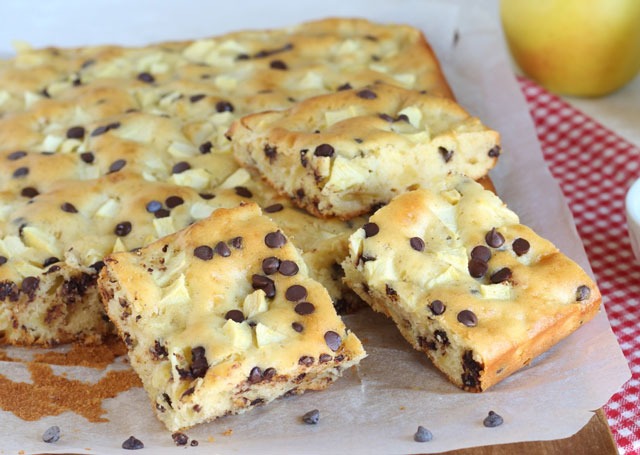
466 283
343 153
222 316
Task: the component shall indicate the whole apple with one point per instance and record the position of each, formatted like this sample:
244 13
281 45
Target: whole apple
574 47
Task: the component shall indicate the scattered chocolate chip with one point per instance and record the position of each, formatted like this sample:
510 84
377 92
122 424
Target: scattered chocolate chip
278 65
270 265
358 140
68 207
122 229
222 249
493 420
75 132
21 172
104 128
582 293
275 239
132 444
153 206
402 118
255 375
97 266
441 337
180 439
333 340
87 157
243 191
13 156
206 196
288 268
494 239
304 308
477 268
370 229
29 192
199 364
494 152
273 208
161 213
520 246
324 358
224 106
468 318
324 150
264 283
180 167
173 201
51 434
422 435
3 260
367 94
345 86
306 360
270 151
481 253
501 275
146 77
30 285
386 117
446 154
194 443
196 98
311 417
303 157
159 351
205 147
417 243
297 327
268 374
437 307
295 293
117 165
203 252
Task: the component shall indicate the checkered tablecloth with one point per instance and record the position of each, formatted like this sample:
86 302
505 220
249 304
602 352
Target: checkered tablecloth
595 167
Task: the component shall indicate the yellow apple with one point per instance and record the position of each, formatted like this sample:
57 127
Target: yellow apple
574 47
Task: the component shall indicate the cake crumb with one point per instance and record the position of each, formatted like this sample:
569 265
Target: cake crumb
227 432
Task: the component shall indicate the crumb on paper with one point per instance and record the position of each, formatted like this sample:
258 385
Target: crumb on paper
211 439
228 432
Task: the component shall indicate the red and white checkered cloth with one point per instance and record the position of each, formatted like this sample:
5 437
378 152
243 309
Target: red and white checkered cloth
595 168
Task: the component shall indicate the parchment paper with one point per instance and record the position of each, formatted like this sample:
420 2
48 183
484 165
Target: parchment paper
377 407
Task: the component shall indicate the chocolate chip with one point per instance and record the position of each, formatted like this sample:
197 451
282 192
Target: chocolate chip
437 307
3 260
493 420
21 172
270 265
278 65
255 375
324 150
224 106
196 98
234 315
159 351
268 374
295 293
75 132
97 266
477 268
501 275
367 94
13 156
270 151
304 308
87 157
345 86
494 152
236 243
122 229
180 439
51 434
446 154
358 140
146 77
206 196
275 239
132 444
422 435
153 206
468 318
417 243
222 249
288 268
180 167
199 364
68 207
402 118
481 253
306 360
87 63
104 128
117 165
264 283
29 192
494 238
333 340
203 252
324 358
30 285
303 157
386 117
311 417
205 147
297 327
520 246
582 293
194 442
243 191
173 201
273 208
370 229
161 213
